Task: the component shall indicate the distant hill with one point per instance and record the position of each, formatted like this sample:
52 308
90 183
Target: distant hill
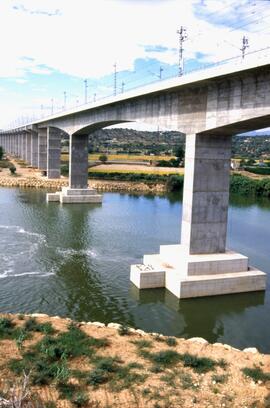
117 140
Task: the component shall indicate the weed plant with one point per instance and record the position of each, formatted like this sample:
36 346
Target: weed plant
256 374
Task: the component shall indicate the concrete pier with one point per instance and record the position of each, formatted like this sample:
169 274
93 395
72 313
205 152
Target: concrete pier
34 149
28 147
53 153
201 265
206 193
42 149
78 191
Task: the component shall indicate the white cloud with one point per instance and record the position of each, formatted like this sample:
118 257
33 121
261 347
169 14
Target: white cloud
84 38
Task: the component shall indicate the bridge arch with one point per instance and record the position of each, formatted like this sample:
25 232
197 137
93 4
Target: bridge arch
85 130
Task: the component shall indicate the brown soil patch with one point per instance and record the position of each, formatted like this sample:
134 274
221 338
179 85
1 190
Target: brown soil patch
177 385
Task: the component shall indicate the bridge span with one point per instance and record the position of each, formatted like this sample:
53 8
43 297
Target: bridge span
209 107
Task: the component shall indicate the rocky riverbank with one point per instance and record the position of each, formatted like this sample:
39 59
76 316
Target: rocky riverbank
101 185
61 363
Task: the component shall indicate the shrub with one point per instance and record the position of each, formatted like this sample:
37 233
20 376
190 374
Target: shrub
80 399
174 182
142 343
1 152
32 325
171 341
66 390
256 374
12 169
97 377
198 364
103 158
123 330
258 170
164 358
6 327
64 169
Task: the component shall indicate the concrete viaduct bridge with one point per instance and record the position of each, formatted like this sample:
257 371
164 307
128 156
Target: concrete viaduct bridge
209 107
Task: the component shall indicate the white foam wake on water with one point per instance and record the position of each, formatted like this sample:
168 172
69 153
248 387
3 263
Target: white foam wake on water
67 252
7 274
14 261
21 230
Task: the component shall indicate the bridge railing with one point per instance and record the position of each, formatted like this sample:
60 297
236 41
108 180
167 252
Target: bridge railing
252 56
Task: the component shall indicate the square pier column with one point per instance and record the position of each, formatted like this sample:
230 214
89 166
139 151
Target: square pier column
24 146
78 191
21 146
206 193
201 265
28 147
53 152
42 149
78 161
34 149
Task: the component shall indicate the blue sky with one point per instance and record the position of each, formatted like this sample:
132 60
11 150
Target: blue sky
50 47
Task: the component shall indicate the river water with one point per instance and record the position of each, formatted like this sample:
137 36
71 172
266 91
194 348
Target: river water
74 261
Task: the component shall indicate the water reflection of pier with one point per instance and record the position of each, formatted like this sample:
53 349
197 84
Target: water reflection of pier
202 317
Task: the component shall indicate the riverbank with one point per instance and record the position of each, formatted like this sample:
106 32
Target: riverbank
67 364
27 177
101 185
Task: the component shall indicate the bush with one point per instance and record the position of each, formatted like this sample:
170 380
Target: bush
258 170
199 364
256 374
247 186
136 177
123 330
12 169
171 341
174 183
164 358
1 152
103 158
64 169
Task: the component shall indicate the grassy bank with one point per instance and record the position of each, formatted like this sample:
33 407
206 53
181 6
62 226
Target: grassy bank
51 362
248 186
238 183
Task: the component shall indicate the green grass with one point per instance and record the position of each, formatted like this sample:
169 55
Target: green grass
66 390
9 330
256 374
32 325
6 327
142 343
111 370
198 364
163 358
47 359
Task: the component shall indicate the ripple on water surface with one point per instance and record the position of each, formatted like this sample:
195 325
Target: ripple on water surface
18 252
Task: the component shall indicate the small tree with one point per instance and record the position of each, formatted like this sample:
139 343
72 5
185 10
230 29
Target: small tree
180 156
1 152
103 158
